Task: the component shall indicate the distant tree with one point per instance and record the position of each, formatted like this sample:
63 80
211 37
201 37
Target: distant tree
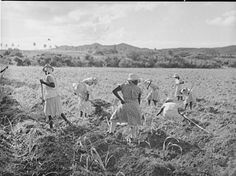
26 62
170 52
126 62
133 55
69 63
18 61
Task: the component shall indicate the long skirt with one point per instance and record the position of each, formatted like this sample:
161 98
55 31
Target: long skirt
128 113
84 106
53 106
177 91
153 95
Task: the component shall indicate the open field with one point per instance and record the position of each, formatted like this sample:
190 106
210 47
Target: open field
202 154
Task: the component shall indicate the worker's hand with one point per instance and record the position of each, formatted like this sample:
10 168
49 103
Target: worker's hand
122 102
43 101
41 81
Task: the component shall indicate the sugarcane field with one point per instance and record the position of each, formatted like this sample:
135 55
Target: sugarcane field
162 147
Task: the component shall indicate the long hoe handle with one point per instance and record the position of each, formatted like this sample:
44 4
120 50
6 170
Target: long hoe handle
194 123
42 92
66 120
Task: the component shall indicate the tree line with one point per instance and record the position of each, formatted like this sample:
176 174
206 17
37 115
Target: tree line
142 59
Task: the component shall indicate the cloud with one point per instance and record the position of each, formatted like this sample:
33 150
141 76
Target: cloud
115 35
226 19
146 6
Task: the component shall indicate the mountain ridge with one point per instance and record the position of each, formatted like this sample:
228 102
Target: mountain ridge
124 47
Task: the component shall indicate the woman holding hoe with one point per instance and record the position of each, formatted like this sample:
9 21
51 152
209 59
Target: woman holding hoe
53 106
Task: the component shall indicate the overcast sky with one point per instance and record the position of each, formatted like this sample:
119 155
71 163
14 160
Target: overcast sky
150 24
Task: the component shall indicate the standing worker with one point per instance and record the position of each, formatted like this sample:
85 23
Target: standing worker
53 106
178 86
129 111
153 95
189 99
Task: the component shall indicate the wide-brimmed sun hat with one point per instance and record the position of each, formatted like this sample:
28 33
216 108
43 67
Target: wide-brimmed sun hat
133 77
147 81
168 99
175 75
91 80
48 68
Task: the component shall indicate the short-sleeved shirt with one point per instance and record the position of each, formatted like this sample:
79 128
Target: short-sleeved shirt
153 86
51 91
130 91
170 109
178 85
82 90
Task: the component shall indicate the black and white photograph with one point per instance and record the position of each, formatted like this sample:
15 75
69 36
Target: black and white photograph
109 88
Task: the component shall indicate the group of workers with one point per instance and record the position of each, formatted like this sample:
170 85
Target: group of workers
128 111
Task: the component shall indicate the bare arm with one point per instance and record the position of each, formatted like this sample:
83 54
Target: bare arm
115 92
139 98
87 98
48 82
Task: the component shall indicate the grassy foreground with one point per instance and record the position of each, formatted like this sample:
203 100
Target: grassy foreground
29 148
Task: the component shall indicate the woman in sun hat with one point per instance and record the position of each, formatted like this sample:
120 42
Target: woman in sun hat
178 86
129 111
153 95
189 98
83 92
53 106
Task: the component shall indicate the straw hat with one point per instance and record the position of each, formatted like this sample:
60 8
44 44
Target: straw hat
147 81
90 80
168 99
133 77
175 75
48 68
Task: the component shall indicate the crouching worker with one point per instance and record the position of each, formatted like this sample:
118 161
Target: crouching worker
83 92
170 111
129 110
189 99
53 106
153 95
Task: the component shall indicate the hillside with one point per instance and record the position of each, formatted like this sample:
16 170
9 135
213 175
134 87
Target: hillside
123 55
96 47
124 48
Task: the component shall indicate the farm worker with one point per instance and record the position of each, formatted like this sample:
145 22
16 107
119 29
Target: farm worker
153 95
178 86
189 98
53 106
129 110
84 94
170 110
